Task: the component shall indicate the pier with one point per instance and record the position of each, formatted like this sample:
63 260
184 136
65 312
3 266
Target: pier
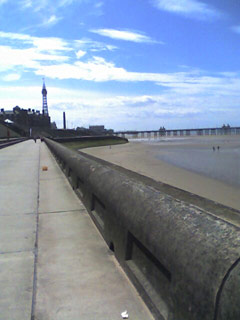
156 134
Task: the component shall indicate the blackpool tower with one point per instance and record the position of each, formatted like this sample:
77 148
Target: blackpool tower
44 99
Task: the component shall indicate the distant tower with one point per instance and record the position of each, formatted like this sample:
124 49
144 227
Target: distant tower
44 96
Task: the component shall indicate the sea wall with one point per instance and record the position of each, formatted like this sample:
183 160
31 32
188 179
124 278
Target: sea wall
88 138
9 142
184 261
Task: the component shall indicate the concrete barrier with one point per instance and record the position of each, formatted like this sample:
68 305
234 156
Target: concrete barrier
7 143
184 261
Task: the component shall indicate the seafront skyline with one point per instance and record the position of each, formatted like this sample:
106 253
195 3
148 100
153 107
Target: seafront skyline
133 66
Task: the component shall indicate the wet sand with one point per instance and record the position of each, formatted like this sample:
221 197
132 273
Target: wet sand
189 164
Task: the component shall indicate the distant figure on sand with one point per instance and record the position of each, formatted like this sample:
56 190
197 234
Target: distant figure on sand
213 148
218 147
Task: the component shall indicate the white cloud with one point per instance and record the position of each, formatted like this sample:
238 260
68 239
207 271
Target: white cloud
42 44
15 36
52 20
3 1
30 58
52 7
26 4
94 46
124 35
11 77
54 43
80 54
190 8
100 70
189 82
40 4
97 69
50 44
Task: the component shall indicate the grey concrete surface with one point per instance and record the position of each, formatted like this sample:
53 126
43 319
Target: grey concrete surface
18 212
56 193
77 275
16 283
70 274
18 233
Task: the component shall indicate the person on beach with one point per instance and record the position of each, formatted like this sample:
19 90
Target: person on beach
218 148
213 148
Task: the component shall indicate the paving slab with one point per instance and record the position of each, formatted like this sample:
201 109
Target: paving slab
19 178
78 277
16 283
18 199
56 194
16 163
18 233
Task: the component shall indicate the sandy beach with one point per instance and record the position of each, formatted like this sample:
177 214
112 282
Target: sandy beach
186 163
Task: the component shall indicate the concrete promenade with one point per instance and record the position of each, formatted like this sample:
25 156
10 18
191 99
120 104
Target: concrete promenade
53 262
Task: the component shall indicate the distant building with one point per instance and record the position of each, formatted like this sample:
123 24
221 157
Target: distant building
25 118
53 125
7 132
100 130
97 129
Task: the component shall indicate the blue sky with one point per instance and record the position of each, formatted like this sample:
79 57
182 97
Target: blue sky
134 65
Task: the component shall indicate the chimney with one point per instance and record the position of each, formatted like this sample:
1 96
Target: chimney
64 121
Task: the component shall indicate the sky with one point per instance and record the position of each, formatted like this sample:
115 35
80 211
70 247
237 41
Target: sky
128 65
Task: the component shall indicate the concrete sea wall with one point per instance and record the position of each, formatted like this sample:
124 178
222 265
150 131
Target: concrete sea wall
184 261
88 138
9 142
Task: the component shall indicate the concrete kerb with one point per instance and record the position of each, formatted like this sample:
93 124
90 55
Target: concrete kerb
183 261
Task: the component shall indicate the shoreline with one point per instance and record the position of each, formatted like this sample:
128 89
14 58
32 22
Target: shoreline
142 158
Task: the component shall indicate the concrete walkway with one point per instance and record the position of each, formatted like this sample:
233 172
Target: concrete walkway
53 262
